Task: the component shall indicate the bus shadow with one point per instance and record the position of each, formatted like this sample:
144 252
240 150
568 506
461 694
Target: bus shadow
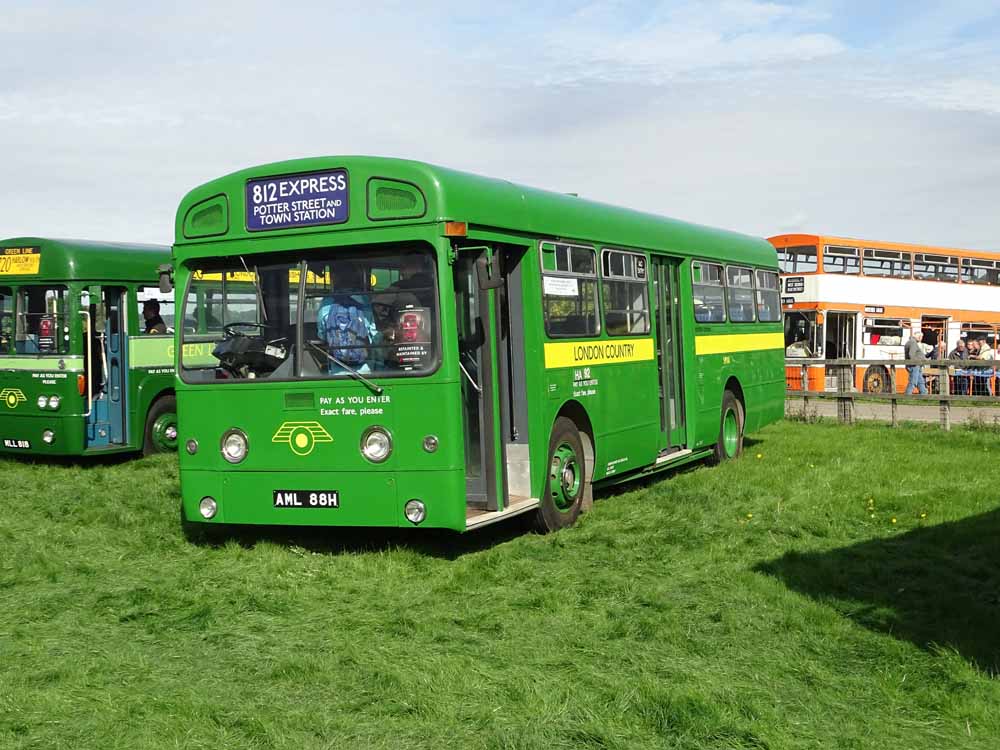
82 462
935 587
439 543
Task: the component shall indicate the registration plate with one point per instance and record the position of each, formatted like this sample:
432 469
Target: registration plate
306 499
23 444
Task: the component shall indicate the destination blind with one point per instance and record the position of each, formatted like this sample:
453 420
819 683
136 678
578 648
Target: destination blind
301 200
19 261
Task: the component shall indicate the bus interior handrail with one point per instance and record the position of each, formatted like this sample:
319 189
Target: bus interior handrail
88 376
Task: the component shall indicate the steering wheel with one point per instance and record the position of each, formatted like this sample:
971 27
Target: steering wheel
230 328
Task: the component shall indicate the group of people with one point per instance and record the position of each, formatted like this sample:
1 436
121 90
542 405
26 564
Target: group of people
971 349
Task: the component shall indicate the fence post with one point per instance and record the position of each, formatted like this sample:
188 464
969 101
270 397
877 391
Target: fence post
892 390
804 385
945 390
845 401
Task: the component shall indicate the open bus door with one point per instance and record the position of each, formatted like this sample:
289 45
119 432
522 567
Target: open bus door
106 366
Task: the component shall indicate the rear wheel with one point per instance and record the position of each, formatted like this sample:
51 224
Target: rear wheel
876 380
161 427
566 478
730 442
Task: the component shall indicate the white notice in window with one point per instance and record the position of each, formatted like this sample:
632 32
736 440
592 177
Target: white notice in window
556 286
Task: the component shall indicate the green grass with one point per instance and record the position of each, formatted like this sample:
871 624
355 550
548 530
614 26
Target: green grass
767 603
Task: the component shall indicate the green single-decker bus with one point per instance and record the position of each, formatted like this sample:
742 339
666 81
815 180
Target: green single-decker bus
79 374
379 342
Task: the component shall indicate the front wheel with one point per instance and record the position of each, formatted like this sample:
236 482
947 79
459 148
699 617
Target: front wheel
730 442
566 478
161 427
877 380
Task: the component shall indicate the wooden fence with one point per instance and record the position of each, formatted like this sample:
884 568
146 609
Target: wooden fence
949 381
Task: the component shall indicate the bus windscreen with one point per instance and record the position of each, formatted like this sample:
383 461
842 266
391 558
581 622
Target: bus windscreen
361 310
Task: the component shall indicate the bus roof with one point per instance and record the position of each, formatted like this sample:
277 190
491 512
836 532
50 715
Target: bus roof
481 202
83 260
792 240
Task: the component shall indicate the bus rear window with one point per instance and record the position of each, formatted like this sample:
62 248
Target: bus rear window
798 259
41 325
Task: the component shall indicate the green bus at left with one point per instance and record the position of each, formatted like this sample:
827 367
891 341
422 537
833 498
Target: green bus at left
86 348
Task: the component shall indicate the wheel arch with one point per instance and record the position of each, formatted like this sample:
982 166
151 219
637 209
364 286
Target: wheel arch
733 384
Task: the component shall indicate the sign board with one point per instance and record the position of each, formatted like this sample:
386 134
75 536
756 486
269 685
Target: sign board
19 261
300 200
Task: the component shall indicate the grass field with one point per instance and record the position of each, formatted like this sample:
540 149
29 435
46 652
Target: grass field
837 587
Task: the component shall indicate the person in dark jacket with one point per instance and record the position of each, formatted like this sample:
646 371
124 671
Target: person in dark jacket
154 323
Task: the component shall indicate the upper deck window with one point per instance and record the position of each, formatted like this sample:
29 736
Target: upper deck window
980 271
708 290
839 259
569 289
739 292
935 267
41 325
798 259
626 293
888 263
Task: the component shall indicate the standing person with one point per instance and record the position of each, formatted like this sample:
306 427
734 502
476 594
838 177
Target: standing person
915 373
960 351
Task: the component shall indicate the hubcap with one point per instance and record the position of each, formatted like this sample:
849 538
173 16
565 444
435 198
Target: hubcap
564 478
165 432
730 433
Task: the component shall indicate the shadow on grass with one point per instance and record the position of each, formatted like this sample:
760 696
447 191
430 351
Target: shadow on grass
439 543
935 586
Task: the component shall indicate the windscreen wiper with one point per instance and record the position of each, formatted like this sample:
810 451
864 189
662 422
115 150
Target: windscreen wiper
376 389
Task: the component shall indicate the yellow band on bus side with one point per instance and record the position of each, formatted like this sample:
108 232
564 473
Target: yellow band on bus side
584 354
731 343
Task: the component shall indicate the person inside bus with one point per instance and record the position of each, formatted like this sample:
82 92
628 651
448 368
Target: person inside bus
345 320
915 373
415 277
151 314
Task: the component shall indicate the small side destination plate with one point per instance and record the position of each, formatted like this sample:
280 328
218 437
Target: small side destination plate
23 444
306 499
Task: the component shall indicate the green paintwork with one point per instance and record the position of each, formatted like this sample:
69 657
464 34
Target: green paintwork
621 414
730 433
81 266
164 431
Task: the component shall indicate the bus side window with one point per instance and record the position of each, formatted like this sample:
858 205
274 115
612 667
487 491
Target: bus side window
708 291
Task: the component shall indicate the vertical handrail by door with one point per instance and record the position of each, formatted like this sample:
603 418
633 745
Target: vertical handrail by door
90 365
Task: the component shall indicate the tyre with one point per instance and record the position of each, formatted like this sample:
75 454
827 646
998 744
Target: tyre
730 442
876 380
161 427
566 480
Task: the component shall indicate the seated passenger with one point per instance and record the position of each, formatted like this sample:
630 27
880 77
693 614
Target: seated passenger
345 321
151 315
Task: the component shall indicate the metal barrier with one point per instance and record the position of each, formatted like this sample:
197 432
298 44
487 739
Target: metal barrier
947 380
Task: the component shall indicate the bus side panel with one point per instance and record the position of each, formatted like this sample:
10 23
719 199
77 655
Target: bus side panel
151 374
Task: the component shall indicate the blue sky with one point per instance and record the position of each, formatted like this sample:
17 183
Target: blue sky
877 120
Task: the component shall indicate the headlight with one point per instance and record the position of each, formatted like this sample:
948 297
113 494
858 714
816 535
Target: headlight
54 402
415 511
234 445
376 444
48 437
208 507
42 402
430 443
191 446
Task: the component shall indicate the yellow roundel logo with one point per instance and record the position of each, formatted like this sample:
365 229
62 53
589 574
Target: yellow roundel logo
301 436
12 397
